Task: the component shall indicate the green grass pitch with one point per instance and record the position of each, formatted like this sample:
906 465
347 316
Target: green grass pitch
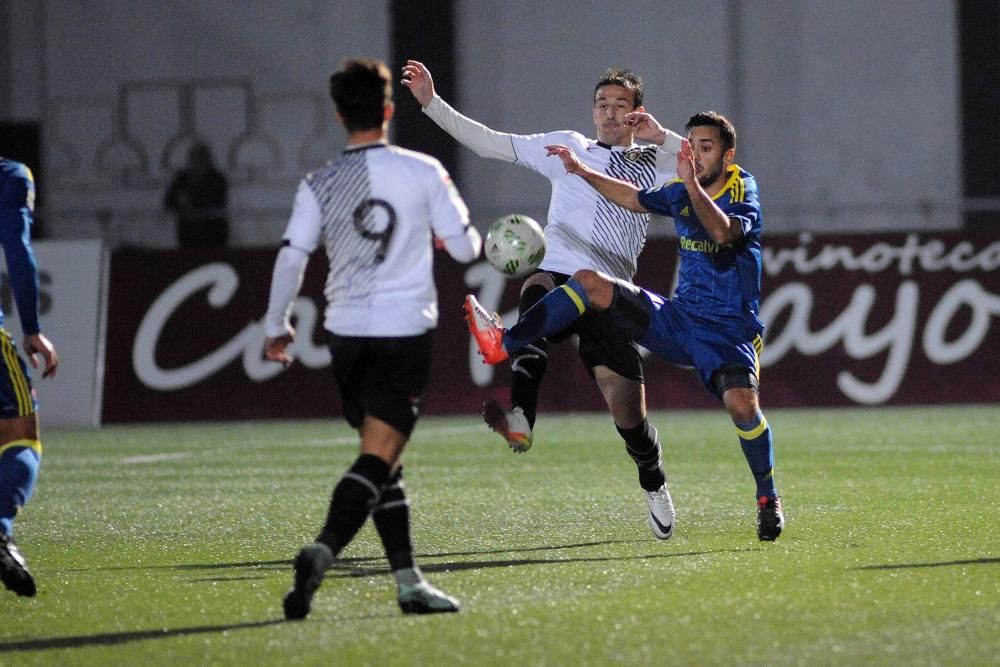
172 545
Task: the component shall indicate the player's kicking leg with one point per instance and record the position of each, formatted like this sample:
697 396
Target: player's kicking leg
527 366
544 311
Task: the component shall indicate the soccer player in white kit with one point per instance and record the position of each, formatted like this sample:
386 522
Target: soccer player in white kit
377 209
583 230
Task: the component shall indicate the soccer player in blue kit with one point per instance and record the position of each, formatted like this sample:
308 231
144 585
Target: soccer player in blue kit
711 321
20 447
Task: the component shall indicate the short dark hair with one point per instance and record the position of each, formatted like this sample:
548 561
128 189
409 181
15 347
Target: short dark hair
715 119
360 89
625 79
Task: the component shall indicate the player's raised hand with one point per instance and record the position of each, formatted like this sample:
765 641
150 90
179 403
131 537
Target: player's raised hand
569 159
276 349
418 79
646 127
685 162
38 344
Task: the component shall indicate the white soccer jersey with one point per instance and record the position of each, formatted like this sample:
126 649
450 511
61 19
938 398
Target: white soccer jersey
583 230
375 209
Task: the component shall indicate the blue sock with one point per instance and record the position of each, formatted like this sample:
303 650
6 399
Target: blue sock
556 311
19 463
755 439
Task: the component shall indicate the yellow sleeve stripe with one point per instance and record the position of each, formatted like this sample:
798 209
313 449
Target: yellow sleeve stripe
756 431
758 347
28 444
577 301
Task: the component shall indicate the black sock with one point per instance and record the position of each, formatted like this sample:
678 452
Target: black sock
392 520
353 498
643 445
528 363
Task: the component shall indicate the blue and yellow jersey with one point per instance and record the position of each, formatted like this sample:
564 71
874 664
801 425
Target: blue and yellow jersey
17 203
716 282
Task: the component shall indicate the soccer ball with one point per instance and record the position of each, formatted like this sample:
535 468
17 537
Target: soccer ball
515 245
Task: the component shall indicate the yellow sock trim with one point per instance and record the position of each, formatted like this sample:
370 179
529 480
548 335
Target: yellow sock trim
576 298
756 431
29 444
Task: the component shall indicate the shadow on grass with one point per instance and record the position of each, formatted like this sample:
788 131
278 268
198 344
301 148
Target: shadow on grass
342 561
112 638
347 570
945 563
343 568
367 566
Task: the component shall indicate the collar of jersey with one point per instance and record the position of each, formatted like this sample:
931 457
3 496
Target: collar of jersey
350 148
609 147
733 177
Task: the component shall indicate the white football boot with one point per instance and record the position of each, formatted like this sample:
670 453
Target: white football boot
661 512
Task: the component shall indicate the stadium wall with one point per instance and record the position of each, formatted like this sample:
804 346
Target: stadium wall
848 112
897 318
72 284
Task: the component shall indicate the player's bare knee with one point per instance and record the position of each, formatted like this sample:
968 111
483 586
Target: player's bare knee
625 398
598 286
737 386
19 428
742 409
539 278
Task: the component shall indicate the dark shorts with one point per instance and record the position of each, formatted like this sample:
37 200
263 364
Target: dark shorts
381 377
601 343
17 397
672 333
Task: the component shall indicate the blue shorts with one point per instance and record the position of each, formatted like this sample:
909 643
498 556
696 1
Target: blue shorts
673 333
17 397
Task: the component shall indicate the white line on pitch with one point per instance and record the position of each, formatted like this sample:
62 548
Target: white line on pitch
312 442
156 458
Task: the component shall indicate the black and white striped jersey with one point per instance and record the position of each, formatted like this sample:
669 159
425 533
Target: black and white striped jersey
583 229
376 210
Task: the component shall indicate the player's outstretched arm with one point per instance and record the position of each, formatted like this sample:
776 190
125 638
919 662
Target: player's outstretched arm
484 141
418 79
37 345
618 192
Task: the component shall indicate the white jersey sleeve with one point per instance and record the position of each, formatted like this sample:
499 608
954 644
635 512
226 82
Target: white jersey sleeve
303 229
286 280
471 134
450 219
666 157
300 239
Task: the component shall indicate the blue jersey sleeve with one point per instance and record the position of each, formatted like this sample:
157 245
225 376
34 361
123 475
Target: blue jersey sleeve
660 200
17 196
744 207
